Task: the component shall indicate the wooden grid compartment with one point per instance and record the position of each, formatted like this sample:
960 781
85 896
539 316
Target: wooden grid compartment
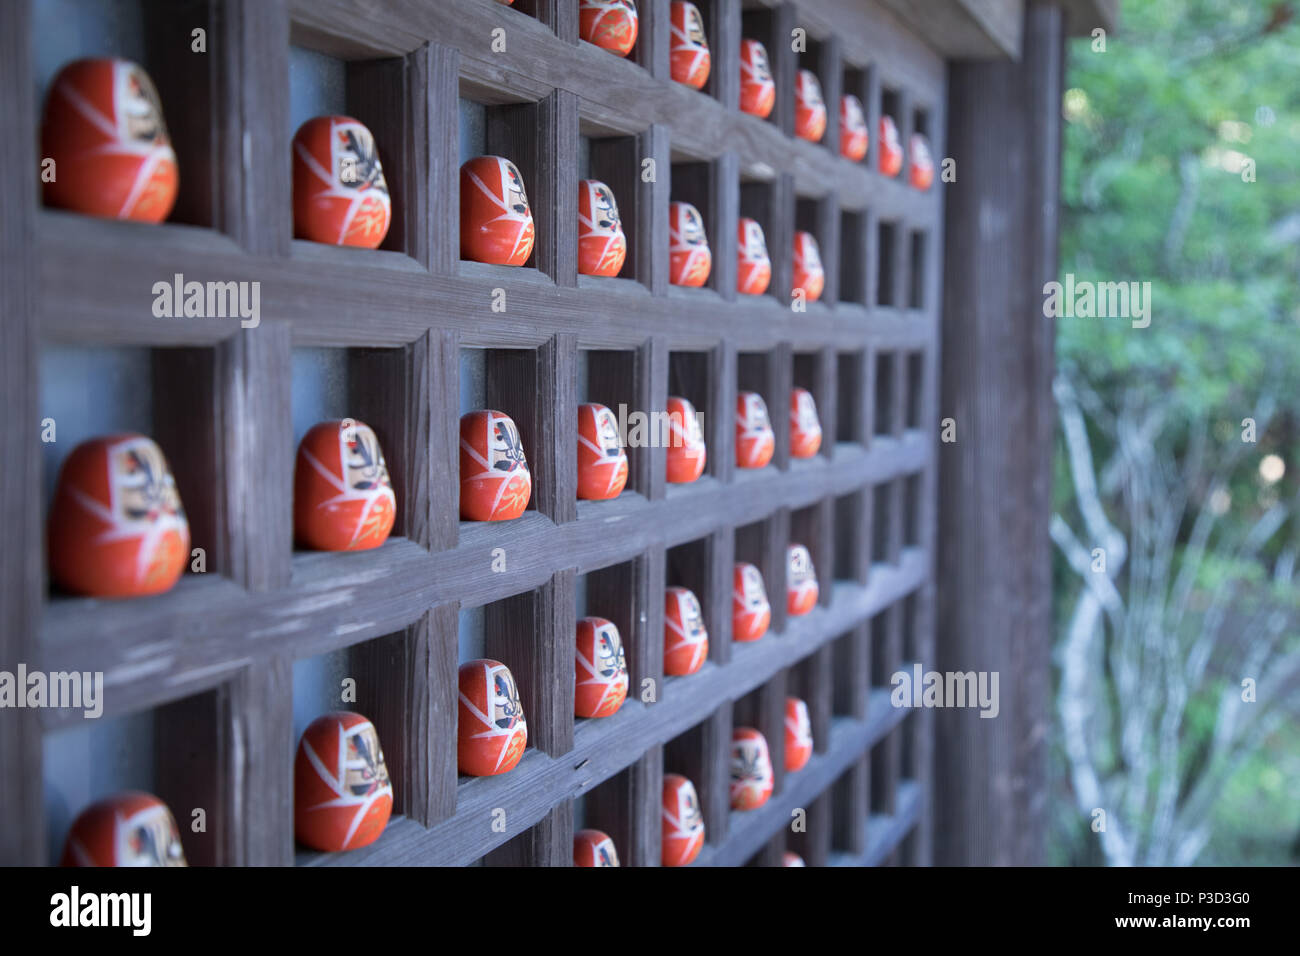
409 337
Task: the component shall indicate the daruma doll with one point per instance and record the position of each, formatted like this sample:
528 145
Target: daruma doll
805 426
689 260
891 150
757 88
495 483
340 196
686 642
602 462
103 128
688 48
116 525
491 732
609 24
751 612
809 274
593 848
342 797
683 823
754 268
754 439
801 580
496 223
751 769
343 499
601 678
798 734
809 107
602 246
921 171
686 451
127 829
854 138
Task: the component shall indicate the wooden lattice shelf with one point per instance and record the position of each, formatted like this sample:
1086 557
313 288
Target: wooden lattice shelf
203 678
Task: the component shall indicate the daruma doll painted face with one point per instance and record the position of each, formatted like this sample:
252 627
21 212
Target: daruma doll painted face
689 49
686 642
602 246
340 196
495 483
801 580
610 24
805 427
686 451
104 129
809 107
343 499
751 611
689 257
492 732
754 439
342 797
683 831
116 526
593 848
754 269
496 223
751 769
602 462
921 172
757 88
891 150
601 669
127 829
792 859
854 138
798 734
809 274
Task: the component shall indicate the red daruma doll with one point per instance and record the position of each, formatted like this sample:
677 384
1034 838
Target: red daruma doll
854 139
127 829
686 642
602 246
342 497
757 88
751 769
495 483
104 129
809 274
805 427
754 270
683 823
340 196
754 439
689 257
496 224
801 580
593 848
751 612
492 733
601 669
921 172
686 451
342 797
609 24
116 526
688 49
891 150
798 734
602 462
809 107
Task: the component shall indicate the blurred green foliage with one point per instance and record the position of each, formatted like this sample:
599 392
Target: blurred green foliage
1160 128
